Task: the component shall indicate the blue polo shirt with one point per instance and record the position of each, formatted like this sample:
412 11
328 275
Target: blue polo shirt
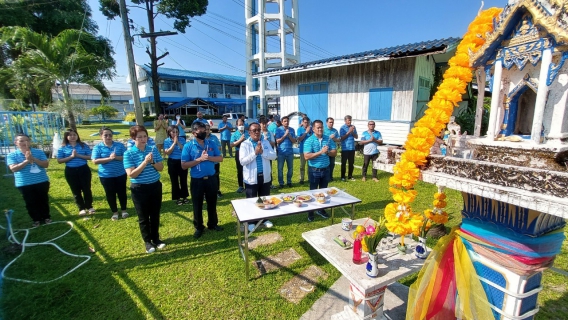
133 157
301 131
272 127
267 136
371 148
225 134
237 135
181 132
176 154
285 147
24 177
193 150
349 143
113 168
259 167
328 132
313 144
214 139
66 151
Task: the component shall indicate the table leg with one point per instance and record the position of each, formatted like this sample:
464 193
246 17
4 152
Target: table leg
246 252
352 211
332 214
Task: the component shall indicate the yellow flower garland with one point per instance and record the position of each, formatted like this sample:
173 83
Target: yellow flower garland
399 215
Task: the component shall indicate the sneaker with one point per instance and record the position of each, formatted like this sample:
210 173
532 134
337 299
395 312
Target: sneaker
185 200
343 180
149 247
47 221
198 234
273 187
179 202
251 227
351 179
363 179
219 194
114 216
301 182
124 214
92 211
36 224
159 244
268 224
322 214
83 212
289 185
310 216
375 179
281 186
216 228
240 190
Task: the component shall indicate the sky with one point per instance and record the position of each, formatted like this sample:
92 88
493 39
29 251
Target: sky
215 41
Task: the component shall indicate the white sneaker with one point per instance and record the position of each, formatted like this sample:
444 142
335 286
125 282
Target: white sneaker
82 213
92 211
124 214
251 227
268 224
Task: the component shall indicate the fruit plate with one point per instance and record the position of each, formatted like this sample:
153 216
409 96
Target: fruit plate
287 198
319 194
332 192
269 203
304 197
325 201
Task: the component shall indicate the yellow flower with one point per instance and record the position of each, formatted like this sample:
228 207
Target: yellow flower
401 196
439 203
416 156
439 196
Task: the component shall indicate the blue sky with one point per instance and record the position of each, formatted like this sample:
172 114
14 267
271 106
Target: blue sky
216 41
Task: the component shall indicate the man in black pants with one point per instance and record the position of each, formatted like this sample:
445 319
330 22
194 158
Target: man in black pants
348 134
200 155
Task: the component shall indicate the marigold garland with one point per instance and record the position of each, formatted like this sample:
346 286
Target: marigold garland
399 215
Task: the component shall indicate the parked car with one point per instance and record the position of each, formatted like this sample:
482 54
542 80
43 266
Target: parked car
231 117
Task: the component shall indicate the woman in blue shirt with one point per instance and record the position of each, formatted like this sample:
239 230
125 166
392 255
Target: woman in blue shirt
143 165
75 154
28 166
108 155
173 145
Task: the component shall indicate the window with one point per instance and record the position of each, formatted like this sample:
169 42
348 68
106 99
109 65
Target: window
380 103
190 81
204 82
232 89
243 90
170 85
215 88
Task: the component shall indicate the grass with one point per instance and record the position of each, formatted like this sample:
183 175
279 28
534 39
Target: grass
189 279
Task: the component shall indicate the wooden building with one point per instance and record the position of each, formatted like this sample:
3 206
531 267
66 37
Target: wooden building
390 86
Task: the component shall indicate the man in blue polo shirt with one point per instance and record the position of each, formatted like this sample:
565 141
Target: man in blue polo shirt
317 150
333 134
285 137
348 134
304 132
200 155
225 128
199 119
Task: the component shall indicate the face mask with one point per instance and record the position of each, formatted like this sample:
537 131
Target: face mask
241 128
178 117
201 135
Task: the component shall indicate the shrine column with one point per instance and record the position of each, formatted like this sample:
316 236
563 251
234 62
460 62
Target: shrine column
480 74
541 95
560 112
495 96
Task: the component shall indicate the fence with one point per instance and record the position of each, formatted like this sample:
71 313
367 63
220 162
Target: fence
39 126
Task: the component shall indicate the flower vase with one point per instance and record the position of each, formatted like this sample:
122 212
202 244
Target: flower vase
421 250
372 265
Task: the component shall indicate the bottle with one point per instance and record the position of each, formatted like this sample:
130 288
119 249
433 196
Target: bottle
357 251
443 149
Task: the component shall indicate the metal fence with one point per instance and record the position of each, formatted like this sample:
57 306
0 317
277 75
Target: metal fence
39 126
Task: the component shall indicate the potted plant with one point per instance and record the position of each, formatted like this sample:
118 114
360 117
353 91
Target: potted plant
371 240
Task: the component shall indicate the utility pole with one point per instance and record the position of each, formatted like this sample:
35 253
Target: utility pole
131 68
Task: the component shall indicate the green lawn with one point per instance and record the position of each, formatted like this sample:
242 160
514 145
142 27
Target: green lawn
189 279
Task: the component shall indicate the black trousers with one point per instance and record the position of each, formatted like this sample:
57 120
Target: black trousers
37 200
79 180
330 168
239 169
366 161
224 145
178 178
257 190
347 156
200 188
115 186
217 173
147 200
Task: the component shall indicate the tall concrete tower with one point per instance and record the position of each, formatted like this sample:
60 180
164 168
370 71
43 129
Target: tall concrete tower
278 21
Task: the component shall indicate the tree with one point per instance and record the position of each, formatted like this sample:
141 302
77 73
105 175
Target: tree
180 10
58 60
104 112
50 18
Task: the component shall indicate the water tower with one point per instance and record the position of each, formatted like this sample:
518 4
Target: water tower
273 41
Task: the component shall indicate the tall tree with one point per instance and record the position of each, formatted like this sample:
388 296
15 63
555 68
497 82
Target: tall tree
57 60
180 10
50 18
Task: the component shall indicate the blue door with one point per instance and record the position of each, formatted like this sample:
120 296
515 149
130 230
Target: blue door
380 104
312 100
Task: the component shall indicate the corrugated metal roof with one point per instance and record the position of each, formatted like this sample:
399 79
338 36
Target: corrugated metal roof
406 50
169 73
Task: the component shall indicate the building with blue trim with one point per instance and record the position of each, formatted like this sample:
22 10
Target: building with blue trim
186 92
390 86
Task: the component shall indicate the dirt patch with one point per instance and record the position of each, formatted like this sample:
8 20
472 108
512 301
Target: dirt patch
283 259
264 239
298 287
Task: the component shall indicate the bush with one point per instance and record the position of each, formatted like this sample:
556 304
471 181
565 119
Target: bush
130 117
149 118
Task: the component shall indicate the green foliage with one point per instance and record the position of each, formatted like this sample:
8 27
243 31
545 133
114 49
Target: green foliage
146 112
466 118
130 117
104 112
